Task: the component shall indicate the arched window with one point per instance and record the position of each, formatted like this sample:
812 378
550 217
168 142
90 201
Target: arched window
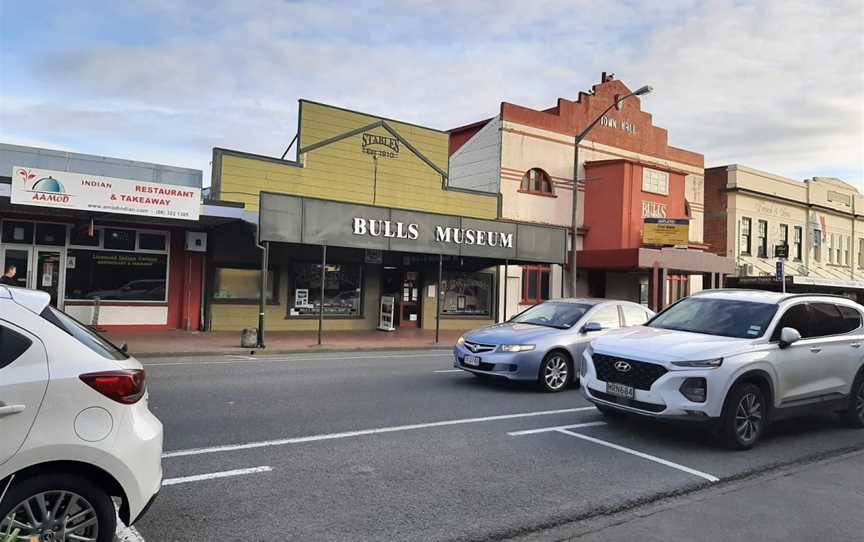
536 181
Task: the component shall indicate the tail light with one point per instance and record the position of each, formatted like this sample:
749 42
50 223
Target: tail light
126 386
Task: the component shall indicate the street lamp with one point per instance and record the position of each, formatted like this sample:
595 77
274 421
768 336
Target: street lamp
578 139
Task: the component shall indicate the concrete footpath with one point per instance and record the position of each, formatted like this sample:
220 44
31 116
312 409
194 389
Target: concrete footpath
186 343
815 501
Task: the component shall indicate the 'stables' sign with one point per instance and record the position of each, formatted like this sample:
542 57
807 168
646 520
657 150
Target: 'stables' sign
64 190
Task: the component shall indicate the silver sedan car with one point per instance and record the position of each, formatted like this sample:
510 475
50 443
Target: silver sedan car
544 343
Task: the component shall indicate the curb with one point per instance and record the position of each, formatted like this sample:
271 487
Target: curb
238 351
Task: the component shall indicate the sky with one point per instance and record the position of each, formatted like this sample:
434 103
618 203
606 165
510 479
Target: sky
774 85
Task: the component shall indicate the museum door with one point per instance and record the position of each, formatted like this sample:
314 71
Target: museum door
409 300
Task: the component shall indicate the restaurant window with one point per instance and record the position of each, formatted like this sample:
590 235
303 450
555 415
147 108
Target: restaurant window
536 181
242 286
762 239
798 232
343 289
151 241
467 294
17 232
535 284
111 275
655 181
119 239
51 234
746 235
784 235
80 236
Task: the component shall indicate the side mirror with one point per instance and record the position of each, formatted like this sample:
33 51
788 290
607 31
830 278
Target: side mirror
788 336
124 348
592 326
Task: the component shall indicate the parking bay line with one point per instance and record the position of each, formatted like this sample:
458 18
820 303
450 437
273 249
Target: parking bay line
214 475
363 432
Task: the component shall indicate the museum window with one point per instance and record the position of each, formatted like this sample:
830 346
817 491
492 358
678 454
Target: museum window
762 247
536 181
798 232
467 294
343 290
746 235
535 284
656 182
242 286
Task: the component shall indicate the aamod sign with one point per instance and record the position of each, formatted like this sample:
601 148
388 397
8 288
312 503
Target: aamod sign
64 190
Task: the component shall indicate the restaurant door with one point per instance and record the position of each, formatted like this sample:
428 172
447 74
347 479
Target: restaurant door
38 268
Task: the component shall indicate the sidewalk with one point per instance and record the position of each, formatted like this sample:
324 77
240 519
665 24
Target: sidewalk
174 342
815 501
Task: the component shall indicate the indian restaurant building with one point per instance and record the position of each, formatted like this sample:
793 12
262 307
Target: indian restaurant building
819 223
639 200
362 231
118 244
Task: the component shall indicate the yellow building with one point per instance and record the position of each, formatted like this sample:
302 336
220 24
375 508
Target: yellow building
376 193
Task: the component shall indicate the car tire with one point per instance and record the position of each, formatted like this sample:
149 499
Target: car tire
744 418
556 372
611 412
854 415
58 489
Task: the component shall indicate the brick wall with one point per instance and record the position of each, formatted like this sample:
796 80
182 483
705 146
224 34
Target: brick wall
716 206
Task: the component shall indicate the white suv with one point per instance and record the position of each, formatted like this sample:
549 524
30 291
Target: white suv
736 358
75 429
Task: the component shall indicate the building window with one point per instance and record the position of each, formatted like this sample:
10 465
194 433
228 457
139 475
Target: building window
762 240
80 236
51 234
536 181
119 239
746 235
654 181
241 286
112 275
467 294
535 284
861 252
846 248
17 232
784 235
151 241
343 289
798 242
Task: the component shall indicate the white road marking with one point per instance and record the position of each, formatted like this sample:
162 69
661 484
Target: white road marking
709 477
214 475
449 371
555 428
363 432
316 358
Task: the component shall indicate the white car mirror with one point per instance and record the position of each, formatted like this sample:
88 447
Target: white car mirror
592 326
788 336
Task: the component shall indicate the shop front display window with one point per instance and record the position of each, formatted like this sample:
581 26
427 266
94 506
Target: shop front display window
343 289
241 286
467 294
112 275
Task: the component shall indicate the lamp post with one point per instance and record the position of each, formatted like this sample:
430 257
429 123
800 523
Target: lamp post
575 218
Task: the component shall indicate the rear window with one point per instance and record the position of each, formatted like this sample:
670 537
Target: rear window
12 345
83 334
851 318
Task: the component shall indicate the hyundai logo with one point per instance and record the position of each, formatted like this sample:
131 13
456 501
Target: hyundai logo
622 366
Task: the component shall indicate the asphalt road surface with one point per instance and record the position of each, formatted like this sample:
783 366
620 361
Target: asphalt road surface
398 446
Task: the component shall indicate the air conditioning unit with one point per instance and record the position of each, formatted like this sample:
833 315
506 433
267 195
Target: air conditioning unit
196 241
745 270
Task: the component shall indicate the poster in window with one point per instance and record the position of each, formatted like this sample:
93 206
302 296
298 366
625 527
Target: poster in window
70 262
301 297
460 302
48 275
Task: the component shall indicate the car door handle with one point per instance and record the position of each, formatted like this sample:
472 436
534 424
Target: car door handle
7 410
855 345
815 349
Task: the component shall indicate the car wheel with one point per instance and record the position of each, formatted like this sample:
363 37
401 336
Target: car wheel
855 413
744 417
58 507
556 372
611 412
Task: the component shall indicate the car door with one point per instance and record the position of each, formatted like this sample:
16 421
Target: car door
606 315
794 363
833 347
23 381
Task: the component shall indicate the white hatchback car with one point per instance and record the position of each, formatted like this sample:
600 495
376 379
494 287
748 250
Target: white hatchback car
735 358
75 429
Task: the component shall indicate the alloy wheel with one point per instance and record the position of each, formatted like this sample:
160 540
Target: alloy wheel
53 516
748 418
859 403
556 372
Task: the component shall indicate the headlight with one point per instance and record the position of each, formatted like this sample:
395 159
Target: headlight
460 341
517 347
700 364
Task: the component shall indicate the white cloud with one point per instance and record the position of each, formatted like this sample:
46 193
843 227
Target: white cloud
774 85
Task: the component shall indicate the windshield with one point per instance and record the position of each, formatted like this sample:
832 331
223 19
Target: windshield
723 317
557 315
85 336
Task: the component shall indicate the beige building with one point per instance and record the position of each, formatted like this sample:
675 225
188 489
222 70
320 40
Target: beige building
750 213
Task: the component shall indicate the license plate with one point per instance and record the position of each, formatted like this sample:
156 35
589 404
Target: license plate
473 361
620 390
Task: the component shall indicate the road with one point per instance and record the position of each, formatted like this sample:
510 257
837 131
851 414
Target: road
398 446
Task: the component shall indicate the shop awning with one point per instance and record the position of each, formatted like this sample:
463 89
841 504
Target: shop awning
673 259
